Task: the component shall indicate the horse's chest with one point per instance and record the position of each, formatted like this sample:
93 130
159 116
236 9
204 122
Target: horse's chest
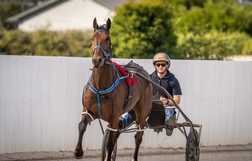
91 98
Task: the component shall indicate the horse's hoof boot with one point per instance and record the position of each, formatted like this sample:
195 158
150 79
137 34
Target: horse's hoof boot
78 154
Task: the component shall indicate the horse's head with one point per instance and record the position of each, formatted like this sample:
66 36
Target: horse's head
101 45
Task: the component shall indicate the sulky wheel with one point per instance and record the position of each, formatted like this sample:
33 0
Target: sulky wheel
192 146
103 152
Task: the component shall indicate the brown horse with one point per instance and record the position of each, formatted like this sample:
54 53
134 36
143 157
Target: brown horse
107 96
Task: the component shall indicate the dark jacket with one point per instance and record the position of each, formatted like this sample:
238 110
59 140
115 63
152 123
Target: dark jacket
169 82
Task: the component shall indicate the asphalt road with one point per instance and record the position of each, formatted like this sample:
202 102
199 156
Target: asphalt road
216 153
213 156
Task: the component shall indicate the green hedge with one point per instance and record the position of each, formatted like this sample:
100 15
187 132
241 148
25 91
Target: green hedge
213 45
199 44
45 42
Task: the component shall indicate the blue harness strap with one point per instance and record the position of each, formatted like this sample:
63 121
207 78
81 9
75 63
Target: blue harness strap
103 51
98 93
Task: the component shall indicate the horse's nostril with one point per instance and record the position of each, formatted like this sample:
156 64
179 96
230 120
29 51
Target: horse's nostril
96 62
99 60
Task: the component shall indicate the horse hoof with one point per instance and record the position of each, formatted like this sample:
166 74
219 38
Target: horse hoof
78 154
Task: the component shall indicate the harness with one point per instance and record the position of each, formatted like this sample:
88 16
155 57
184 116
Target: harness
114 85
102 92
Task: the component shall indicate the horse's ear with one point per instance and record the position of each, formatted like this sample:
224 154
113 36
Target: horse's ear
95 25
108 24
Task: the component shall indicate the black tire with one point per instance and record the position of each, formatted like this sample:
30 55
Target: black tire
192 148
103 152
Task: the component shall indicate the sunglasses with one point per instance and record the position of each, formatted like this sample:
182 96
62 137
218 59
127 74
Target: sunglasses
157 65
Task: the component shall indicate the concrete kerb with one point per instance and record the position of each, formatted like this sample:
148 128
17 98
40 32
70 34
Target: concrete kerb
29 156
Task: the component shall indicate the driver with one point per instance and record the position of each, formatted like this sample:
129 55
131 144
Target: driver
163 77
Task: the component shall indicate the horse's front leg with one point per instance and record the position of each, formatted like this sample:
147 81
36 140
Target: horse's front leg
78 153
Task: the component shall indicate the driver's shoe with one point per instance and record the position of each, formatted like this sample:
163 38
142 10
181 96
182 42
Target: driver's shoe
170 126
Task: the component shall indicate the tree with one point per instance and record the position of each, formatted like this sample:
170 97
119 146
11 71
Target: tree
9 8
215 31
224 16
140 30
189 3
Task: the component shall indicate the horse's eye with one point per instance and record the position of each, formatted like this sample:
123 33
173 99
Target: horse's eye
107 39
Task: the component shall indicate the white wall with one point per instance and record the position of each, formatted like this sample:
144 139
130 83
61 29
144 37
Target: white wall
40 103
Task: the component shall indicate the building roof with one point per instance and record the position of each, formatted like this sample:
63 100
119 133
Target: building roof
65 14
111 4
14 20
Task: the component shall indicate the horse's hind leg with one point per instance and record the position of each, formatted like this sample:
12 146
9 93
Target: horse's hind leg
78 153
111 141
138 141
140 123
110 146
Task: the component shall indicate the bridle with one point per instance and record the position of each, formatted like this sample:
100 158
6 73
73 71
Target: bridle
106 55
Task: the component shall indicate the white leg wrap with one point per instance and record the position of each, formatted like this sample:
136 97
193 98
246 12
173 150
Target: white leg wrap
86 113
